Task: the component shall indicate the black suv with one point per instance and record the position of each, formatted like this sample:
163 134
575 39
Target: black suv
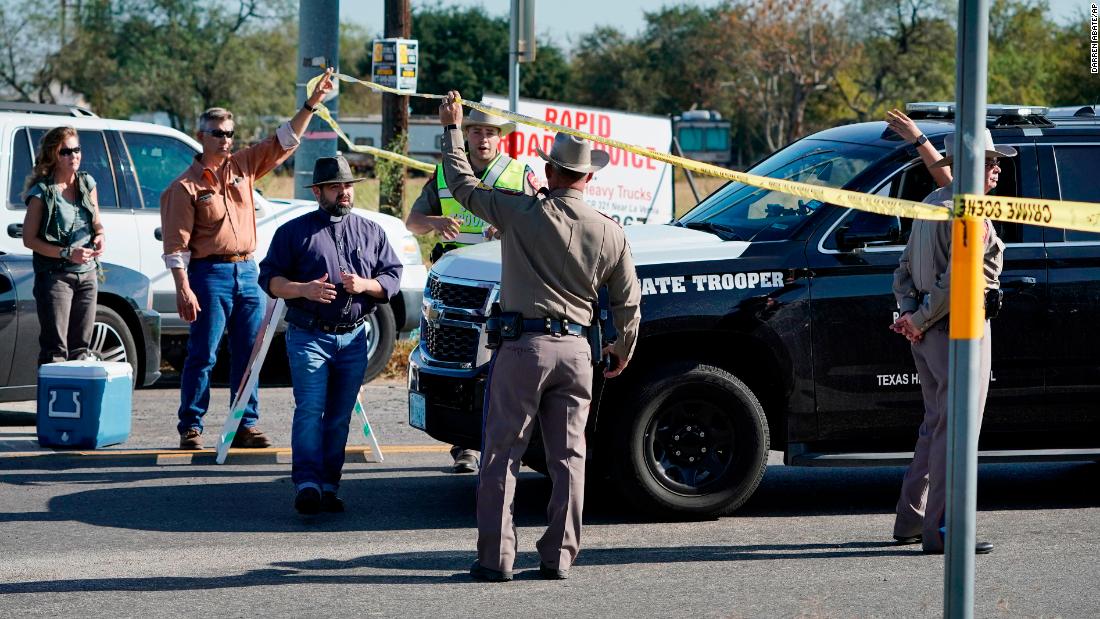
765 323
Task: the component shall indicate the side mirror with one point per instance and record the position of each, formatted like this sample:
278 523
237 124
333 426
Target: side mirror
869 230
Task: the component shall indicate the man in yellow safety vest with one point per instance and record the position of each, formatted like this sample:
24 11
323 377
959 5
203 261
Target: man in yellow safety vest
437 211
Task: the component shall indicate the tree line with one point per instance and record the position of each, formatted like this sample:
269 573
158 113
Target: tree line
777 69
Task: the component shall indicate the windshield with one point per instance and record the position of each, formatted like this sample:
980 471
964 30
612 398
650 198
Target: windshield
745 213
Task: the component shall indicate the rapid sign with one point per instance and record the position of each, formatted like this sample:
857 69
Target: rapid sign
632 189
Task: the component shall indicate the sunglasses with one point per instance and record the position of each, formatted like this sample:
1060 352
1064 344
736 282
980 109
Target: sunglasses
218 133
990 163
65 152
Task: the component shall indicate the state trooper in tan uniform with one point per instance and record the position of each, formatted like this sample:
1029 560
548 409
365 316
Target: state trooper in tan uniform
922 290
436 210
557 253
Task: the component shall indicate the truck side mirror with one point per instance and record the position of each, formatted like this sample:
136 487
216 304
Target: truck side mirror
865 229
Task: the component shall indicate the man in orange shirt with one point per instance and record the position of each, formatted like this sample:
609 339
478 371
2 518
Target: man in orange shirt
209 226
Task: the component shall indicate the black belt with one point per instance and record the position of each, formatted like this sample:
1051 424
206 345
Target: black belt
554 327
223 258
303 320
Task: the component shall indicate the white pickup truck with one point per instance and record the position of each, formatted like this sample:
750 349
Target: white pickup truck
132 163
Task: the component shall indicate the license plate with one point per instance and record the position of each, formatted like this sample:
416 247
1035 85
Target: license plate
417 406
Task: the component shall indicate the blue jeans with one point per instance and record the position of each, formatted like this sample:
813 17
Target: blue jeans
327 371
229 297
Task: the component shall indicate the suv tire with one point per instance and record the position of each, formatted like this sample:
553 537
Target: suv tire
381 337
693 439
112 340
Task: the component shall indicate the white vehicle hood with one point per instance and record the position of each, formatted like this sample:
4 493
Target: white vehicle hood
649 244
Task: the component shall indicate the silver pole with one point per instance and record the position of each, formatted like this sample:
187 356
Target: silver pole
962 414
513 58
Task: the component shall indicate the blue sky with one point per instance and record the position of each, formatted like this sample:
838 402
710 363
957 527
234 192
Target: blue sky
564 21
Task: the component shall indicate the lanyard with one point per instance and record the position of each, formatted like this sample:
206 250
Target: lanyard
339 240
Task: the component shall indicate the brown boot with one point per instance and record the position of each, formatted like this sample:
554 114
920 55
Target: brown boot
191 439
250 438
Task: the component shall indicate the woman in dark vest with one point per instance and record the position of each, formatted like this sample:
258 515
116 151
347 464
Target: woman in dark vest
63 230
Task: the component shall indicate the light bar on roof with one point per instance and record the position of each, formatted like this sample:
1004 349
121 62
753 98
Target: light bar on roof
992 109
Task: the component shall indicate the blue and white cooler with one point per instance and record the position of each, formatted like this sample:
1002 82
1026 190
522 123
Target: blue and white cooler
84 404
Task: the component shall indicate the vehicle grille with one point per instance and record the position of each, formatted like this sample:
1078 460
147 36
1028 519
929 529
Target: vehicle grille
457 295
452 344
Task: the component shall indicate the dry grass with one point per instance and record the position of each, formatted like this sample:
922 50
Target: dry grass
398 367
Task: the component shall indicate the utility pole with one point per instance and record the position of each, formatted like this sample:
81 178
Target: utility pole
521 48
967 312
318 47
395 110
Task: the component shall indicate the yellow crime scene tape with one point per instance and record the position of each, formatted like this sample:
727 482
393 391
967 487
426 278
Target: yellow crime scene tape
1082 216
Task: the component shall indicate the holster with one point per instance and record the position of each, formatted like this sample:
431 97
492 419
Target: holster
994 301
492 328
595 336
501 326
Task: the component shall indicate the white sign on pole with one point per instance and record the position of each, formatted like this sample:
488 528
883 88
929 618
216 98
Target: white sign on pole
632 189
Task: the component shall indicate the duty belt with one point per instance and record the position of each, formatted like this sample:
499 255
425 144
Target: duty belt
303 320
553 327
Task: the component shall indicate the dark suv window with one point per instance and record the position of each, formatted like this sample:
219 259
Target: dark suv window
1077 168
915 183
21 162
158 160
94 160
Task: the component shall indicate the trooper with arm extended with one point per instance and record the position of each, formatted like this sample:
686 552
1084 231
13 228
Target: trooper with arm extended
921 288
557 252
436 210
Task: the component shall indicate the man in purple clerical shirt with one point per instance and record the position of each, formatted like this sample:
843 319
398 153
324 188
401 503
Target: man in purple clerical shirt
332 268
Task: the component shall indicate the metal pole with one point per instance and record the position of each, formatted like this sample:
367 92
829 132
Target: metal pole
966 311
318 47
513 71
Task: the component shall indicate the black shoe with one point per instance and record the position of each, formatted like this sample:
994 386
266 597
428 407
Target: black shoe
308 502
465 462
549 573
485 574
911 539
980 548
331 503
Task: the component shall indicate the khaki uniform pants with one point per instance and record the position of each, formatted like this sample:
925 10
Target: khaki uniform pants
920 509
550 377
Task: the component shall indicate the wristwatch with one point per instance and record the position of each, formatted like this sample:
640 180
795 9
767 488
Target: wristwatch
921 140
66 253
450 126
309 108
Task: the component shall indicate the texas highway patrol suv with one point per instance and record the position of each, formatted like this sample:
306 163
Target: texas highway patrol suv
765 323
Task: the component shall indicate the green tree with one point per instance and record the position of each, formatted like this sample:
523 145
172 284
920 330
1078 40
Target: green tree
181 57
1072 82
1023 52
905 51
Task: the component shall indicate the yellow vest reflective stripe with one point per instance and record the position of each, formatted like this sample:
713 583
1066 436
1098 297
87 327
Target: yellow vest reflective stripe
504 173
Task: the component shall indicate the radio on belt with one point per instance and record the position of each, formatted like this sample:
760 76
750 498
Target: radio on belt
84 404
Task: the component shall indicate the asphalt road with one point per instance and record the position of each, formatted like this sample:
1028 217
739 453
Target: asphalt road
100 540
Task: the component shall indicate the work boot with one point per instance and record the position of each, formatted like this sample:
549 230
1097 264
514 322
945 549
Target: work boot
308 502
465 461
250 438
330 503
191 439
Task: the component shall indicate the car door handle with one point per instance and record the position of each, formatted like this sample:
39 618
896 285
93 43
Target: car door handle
158 235
15 231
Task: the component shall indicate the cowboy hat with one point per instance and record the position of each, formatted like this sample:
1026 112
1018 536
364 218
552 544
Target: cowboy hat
991 150
573 153
328 170
477 117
